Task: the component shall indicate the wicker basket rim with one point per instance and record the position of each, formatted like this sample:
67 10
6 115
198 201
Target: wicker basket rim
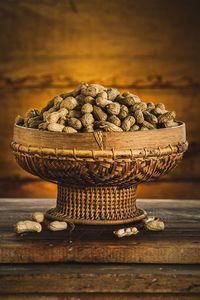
100 154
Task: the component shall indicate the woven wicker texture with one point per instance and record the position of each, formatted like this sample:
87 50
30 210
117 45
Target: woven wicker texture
96 205
98 170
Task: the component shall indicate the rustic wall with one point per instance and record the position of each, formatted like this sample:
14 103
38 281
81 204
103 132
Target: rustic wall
151 47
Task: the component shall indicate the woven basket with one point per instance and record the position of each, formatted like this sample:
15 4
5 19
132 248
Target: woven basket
98 173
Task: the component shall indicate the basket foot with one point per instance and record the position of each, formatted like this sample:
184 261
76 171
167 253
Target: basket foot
96 205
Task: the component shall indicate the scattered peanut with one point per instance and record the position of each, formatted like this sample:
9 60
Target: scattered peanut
27 226
126 232
154 224
57 226
38 217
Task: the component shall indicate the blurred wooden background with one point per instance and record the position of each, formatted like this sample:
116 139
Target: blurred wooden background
150 47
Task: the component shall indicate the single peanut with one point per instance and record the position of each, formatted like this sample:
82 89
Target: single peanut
99 114
134 98
55 127
150 117
89 128
69 129
91 90
127 123
139 117
38 217
143 128
126 232
87 108
141 106
54 116
112 93
102 102
168 116
107 126
148 125
123 112
113 108
150 106
134 128
57 226
115 120
154 224
74 123
27 226
19 120
69 103
89 99
87 119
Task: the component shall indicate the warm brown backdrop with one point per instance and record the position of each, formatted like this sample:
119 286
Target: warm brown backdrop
149 46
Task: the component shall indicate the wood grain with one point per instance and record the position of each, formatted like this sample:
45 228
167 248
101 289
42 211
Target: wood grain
179 243
99 296
117 42
62 278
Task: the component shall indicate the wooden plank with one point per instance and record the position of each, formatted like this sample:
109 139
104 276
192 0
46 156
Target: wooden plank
70 278
100 296
98 40
179 243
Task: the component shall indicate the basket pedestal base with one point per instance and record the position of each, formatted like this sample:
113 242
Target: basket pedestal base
96 205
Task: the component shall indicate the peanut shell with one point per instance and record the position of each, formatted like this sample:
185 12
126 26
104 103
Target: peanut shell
99 114
115 120
107 126
87 119
127 123
113 108
74 123
138 115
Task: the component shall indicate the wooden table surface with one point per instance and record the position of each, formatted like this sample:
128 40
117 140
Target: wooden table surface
96 261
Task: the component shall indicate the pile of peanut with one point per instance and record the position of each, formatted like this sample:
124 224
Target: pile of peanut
92 107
